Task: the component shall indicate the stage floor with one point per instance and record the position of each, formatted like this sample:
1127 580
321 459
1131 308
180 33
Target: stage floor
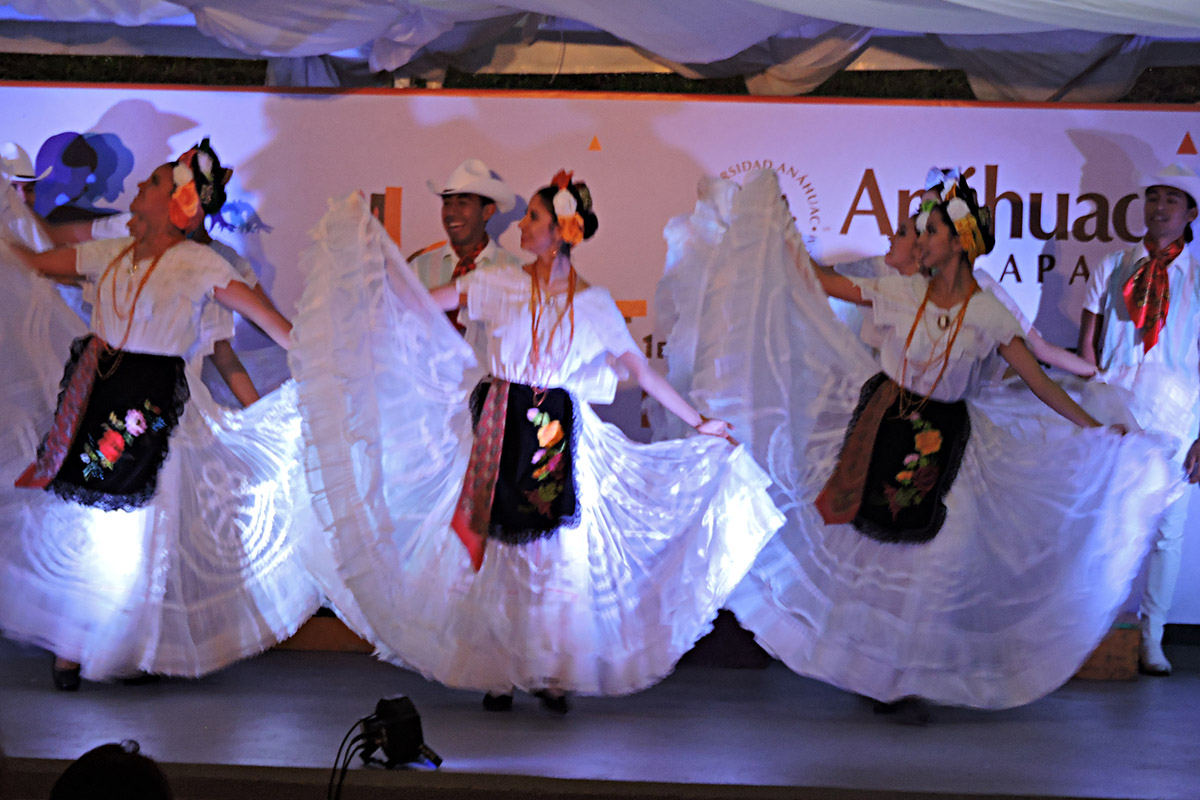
736 729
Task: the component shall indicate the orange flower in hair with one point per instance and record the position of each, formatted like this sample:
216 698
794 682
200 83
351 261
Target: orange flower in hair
184 211
571 229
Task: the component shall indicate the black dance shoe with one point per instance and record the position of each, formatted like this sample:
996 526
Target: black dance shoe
497 702
66 679
140 679
552 701
907 711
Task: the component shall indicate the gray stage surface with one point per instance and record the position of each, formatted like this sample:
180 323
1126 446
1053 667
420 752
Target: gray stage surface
270 727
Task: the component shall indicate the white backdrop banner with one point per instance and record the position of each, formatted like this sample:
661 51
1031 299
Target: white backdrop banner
1064 180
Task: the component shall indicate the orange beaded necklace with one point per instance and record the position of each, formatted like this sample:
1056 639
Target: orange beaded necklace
906 406
537 308
127 316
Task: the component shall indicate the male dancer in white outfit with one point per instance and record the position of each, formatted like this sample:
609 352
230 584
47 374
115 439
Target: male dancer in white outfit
470 197
1140 326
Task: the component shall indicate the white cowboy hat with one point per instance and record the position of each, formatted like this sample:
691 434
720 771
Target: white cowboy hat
15 164
473 177
1176 176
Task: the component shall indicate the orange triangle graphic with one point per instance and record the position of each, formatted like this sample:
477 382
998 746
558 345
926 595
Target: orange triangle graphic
1187 147
595 145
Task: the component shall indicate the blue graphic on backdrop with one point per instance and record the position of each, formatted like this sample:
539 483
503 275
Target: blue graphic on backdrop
86 170
238 216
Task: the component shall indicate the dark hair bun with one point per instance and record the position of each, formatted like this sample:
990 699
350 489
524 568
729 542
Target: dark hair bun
210 177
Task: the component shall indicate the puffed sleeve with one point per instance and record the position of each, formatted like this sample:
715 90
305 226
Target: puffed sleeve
990 284
894 299
241 266
995 321
611 328
92 258
205 271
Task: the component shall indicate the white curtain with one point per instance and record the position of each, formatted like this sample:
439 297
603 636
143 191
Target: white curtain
1087 50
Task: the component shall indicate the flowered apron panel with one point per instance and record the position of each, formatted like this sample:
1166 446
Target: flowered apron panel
118 436
899 459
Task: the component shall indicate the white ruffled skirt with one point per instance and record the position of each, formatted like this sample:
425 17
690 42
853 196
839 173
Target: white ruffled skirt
606 607
1046 525
208 573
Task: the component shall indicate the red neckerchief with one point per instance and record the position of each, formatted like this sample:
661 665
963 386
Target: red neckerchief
1148 291
466 263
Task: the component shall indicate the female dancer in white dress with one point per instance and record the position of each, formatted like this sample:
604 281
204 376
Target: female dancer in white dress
592 563
149 531
693 244
985 589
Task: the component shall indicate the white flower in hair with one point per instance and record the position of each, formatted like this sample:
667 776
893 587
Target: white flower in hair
564 204
922 221
957 209
204 160
182 175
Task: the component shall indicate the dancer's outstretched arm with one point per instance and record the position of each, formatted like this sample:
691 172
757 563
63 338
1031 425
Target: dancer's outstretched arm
1088 325
234 373
1049 392
69 233
661 390
833 283
1056 356
237 296
58 263
840 286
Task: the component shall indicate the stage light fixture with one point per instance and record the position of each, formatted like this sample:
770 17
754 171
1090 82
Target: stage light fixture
394 729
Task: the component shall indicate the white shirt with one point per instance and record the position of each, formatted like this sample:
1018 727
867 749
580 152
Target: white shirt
498 298
175 311
986 325
116 226
436 267
1166 380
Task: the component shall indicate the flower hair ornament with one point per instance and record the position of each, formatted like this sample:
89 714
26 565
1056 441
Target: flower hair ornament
199 181
936 181
972 222
567 205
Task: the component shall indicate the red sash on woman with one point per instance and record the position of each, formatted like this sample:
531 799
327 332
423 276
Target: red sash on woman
72 403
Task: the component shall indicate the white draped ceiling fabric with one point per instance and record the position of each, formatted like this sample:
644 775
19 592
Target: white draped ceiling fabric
1034 50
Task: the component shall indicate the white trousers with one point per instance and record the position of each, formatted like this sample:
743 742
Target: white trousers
1162 567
